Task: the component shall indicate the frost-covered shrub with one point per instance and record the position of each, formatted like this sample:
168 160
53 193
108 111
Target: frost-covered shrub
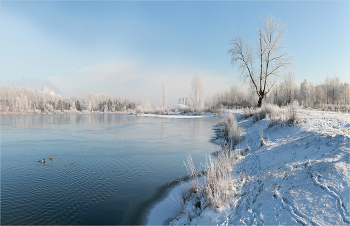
272 110
217 180
231 130
139 109
292 116
157 110
275 121
195 187
268 110
219 109
259 114
288 116
193 192
247 112
214 188
49 108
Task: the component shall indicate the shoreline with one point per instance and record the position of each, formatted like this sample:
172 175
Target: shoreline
166 196
141 211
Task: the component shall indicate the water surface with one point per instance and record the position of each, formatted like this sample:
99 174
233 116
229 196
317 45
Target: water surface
105 167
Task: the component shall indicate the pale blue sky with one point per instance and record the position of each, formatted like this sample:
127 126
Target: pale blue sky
127 49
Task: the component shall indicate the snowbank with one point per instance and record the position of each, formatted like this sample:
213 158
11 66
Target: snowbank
167 208
174 116
299 176
178 115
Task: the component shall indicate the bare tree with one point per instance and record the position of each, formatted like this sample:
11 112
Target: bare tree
270 54
164 95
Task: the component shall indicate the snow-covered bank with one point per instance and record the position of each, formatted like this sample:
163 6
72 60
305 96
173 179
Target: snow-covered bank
300 176
166 209
178 115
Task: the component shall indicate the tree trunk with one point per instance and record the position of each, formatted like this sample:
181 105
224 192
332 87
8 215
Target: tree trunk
260 101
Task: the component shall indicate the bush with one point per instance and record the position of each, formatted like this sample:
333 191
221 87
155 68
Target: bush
259 115
247 112
194 186
217 180
216 185
231 131
139 109
270 110
288 116
292 117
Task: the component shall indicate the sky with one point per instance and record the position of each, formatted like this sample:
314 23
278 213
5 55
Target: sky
128 49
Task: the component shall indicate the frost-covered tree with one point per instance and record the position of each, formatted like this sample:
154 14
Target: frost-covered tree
72 107
346 93
89 108
164 95
59 105
289 87
197 92
260 66
305 93
237 96
334 90
78 105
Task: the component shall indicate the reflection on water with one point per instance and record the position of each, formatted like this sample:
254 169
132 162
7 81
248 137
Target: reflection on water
103 165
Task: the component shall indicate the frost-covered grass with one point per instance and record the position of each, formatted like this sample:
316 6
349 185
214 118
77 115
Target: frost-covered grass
299 176
231 131
276 114
268 109
186 110
208 189
345 108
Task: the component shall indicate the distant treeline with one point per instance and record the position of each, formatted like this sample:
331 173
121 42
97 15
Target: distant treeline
333 94
23 99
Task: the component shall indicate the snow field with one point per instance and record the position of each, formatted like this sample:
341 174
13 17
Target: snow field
299 176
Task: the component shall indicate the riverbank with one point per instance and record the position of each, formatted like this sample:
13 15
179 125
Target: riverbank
299 174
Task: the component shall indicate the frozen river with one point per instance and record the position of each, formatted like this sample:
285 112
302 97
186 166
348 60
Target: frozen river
106 168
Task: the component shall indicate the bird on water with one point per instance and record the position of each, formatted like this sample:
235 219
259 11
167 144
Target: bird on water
51 157
43 161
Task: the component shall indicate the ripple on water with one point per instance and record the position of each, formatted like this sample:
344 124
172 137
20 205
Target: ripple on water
60 189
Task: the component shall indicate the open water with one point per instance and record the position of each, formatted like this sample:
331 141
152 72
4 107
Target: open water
106 169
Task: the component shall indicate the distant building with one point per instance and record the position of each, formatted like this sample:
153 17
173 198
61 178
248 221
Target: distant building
183 101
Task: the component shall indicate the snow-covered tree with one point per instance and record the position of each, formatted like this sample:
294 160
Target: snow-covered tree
197 92
305 93
164 95
72 106
89 108
289 87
